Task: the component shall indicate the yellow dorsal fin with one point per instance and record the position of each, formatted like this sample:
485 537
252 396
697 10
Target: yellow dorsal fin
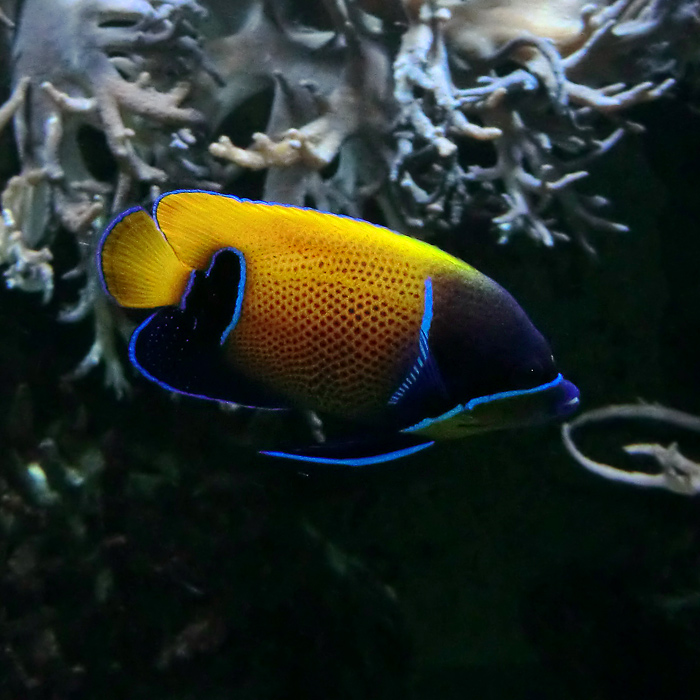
198 223
139 267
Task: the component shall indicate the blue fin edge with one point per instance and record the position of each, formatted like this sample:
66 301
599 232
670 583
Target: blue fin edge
239 295
352 462
239 292
423 346
168 387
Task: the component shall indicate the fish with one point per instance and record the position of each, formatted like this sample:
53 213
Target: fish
278 307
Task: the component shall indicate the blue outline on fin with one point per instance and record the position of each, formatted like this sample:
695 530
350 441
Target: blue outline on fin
190 283
101 243
239 294
168 387
147 374
472 403
352 462
423 347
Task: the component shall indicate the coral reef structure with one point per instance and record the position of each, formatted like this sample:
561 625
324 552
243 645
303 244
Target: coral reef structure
540 81
116 68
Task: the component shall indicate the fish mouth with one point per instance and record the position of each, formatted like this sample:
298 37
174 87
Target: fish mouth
566 399
555 400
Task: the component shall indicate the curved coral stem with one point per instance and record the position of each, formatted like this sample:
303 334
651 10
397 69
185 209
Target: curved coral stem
13 103
677 473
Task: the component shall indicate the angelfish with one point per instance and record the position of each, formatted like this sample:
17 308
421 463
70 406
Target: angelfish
278 307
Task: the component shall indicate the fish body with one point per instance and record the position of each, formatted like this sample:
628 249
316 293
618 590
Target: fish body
278 307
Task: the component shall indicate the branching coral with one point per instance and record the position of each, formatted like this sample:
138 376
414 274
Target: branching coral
29 270
539 79
116 67
677 473
332 99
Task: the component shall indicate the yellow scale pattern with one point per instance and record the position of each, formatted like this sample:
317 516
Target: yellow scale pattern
341 331
332 306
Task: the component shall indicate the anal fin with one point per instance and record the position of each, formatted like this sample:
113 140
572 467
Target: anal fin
359 453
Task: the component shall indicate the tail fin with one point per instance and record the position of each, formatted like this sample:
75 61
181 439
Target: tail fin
138 267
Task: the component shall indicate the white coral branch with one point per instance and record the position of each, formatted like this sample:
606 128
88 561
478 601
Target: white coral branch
314 146
114 65
555 102
27 269
677 474
104 347
331 92
13 103
4 19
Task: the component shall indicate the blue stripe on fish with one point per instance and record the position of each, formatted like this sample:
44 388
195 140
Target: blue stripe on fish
423 346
